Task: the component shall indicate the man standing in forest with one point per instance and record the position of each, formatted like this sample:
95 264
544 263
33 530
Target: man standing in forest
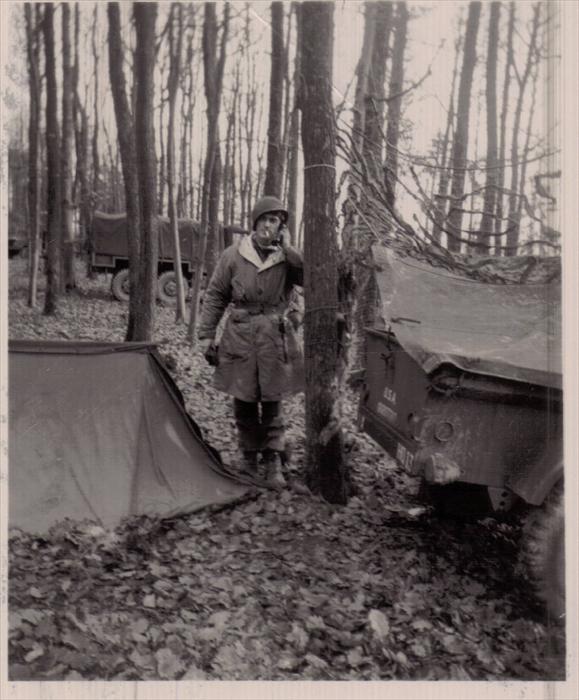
259 358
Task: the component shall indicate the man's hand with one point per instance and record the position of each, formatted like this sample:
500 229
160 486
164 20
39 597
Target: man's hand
205 344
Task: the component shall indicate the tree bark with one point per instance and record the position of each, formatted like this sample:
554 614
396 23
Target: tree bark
175 49
395 89
324 454
66 154
145 15
486 226
35 88
460 145
274 171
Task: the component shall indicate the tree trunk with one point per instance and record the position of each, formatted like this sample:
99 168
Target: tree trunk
503 124
145 15
33 53
213 72
175 48
128 149
444 181
395 100
526 150
52 168
66 154
513 220
372 151
324 454
294 135
486 226
274 172
96 168
460 145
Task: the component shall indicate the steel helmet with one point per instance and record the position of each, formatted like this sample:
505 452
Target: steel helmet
265 205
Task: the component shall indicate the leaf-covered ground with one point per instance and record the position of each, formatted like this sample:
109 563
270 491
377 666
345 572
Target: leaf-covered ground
283 586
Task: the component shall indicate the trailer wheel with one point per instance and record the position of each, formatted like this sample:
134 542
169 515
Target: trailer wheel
167 287
120 285
543 550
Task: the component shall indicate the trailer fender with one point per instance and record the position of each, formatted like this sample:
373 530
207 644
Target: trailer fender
534 483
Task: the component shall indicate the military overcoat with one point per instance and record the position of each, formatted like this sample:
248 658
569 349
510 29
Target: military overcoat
259 357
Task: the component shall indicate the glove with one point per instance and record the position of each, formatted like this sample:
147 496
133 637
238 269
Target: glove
209 350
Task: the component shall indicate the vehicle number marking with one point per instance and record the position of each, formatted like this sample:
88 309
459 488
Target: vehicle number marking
387 412
404 456
390 395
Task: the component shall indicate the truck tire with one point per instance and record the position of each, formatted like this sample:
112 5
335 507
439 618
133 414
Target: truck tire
167 287
543 550
120 285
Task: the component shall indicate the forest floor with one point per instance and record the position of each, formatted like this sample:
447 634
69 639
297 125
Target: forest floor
283 586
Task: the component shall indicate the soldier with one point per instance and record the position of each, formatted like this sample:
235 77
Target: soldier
259 358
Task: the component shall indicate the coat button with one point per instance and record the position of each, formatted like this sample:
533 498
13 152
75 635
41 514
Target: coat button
260 292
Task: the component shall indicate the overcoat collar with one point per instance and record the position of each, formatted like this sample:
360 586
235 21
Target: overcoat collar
247 251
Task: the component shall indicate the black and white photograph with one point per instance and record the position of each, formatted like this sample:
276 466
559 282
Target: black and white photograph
288 349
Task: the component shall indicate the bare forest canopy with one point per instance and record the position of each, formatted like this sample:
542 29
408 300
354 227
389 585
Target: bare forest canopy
446 128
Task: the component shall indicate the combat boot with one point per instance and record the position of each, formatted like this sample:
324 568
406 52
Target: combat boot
273 471
248 462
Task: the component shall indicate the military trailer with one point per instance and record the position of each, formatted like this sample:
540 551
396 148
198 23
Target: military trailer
463 388
110 253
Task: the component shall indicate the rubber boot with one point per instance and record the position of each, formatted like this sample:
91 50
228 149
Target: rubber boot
273 471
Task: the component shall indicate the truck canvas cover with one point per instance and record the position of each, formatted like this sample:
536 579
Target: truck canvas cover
99 431
512 331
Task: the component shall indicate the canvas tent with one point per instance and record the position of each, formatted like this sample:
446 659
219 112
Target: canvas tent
511 331
99 431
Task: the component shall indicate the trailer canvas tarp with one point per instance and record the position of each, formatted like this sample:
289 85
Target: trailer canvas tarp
511 331
99 431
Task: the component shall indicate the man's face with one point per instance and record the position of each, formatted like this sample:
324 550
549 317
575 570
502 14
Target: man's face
266 229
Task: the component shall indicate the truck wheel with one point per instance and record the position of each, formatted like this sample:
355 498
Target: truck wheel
543 549
167 287
120 285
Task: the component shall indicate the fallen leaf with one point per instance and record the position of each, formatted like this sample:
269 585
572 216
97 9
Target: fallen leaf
219 619
194 673
379 624
34 653
149 601
168 665
315 661
355 656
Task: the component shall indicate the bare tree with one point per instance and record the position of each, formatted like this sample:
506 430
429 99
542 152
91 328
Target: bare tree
53 278
294 134
273 176
136 327
490 194
444 180
66 154
145 14
395 91
522 80
213 64
324 453
35 89
460 145
175 50
503 119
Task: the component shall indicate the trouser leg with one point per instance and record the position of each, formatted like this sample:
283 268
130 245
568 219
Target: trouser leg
247 423
272 426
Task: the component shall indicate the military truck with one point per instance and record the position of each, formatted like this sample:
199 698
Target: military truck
110 253
463 388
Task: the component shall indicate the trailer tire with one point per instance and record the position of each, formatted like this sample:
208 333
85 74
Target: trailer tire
120 285
167 287
543 550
